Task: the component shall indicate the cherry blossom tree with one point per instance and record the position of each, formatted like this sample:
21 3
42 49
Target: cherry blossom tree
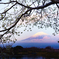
15 14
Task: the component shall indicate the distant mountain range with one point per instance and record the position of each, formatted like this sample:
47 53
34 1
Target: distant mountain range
41 37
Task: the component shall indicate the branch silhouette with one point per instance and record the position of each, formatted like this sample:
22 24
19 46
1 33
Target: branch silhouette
28 9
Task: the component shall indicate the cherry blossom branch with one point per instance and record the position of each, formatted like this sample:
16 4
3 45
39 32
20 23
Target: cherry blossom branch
28 9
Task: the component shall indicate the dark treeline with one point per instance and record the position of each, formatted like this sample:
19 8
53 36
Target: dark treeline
19 50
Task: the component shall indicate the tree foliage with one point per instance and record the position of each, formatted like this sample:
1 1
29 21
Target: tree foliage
23 13
18 47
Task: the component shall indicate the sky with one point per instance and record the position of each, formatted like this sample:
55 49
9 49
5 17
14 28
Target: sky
36 35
